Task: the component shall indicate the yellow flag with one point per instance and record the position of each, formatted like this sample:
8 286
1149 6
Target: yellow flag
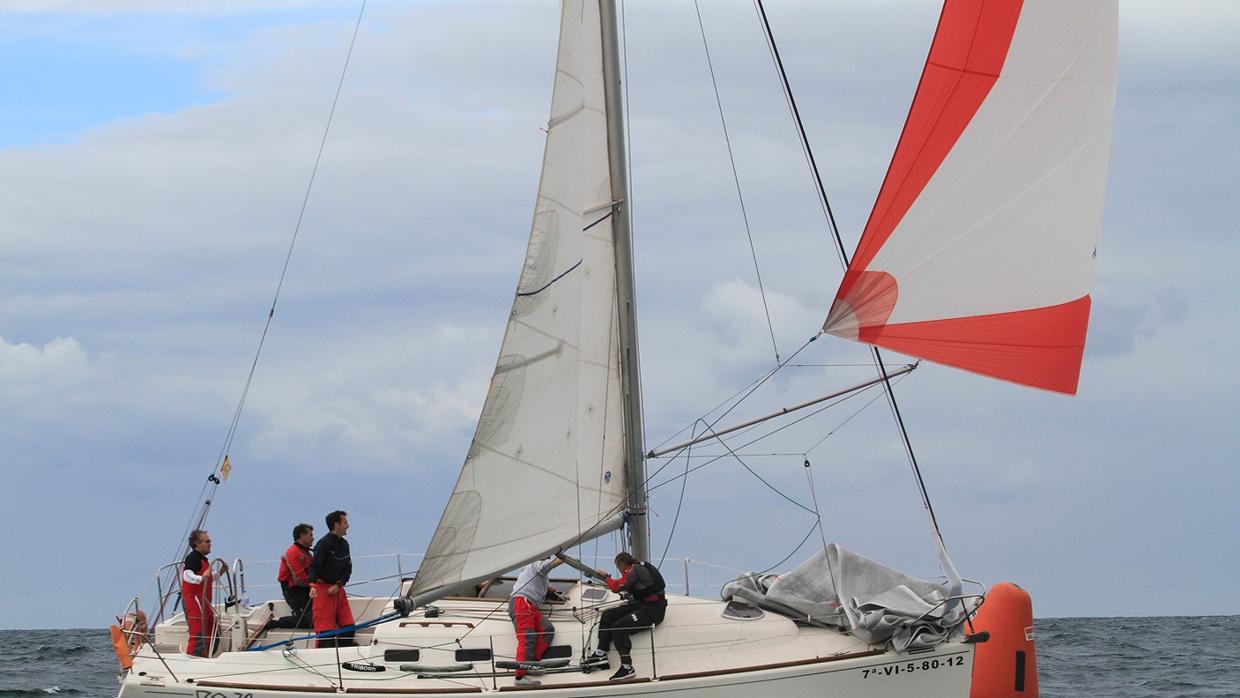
225 469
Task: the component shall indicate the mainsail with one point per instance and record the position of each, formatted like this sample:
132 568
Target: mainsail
979 252
546 466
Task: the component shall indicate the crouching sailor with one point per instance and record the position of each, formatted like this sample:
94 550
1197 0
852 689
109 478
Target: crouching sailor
294 579
642 584
534 628
196 595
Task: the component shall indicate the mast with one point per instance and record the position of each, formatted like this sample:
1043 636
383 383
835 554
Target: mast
635 470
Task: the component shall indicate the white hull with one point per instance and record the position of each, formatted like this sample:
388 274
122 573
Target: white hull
696 651
855 678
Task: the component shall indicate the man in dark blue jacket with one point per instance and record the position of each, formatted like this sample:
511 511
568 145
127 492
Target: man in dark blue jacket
329 572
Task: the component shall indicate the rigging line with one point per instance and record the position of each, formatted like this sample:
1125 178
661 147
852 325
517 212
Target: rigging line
719 457
721 403
755 474
850 365
613 328
794 551
747 390
844 260
841 425
813 492
796 117
738 434
777 564
736 178
908 448
752 390
684 482
232 429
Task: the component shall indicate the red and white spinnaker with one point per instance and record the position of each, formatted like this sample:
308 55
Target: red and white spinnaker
979 252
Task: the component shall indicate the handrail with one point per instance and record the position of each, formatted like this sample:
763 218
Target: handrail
224 581
159 590
135 604
238 570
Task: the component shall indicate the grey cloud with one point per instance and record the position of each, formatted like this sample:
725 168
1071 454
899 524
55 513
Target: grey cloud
155 242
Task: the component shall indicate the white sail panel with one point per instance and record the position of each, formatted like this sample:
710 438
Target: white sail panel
546 464
980 249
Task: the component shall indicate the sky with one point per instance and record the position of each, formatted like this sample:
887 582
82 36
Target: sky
153 162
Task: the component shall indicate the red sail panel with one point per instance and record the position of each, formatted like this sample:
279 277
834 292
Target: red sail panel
969 48
1040 347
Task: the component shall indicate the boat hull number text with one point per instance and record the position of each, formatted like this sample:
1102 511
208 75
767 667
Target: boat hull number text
220 694
912 667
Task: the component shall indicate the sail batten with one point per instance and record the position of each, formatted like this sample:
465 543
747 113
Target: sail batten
546 465
980 250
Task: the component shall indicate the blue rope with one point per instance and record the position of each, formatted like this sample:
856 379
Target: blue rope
330 633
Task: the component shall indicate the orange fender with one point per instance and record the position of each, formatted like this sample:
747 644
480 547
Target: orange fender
1006 665
121 646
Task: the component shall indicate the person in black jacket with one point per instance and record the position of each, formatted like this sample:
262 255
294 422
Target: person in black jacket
643 585
329 572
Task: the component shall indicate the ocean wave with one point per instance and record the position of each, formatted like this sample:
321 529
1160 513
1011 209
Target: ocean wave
54 690
51 652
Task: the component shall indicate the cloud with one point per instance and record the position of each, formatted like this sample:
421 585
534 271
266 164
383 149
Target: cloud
32 377
140 259
389 404
222 7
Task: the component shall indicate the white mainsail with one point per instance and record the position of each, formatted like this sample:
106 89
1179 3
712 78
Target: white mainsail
546 466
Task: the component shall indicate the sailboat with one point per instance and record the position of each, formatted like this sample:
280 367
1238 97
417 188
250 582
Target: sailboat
979 254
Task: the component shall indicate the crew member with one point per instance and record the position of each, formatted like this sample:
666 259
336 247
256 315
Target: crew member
196 595
534 628
330 569
643 585
294 578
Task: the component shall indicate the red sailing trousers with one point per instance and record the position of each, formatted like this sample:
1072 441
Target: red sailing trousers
201 619
331 611
531 635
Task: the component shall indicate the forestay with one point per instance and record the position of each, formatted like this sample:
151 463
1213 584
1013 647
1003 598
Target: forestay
979 252
546 466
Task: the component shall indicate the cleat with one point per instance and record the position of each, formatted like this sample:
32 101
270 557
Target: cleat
527 681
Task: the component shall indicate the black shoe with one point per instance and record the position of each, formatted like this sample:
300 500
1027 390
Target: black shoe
595 659
624 673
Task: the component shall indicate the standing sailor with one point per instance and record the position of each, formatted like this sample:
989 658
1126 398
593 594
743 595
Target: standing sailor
329 572
534 628
196 595
643 585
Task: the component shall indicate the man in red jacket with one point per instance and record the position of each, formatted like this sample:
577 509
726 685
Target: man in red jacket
196 595
294 578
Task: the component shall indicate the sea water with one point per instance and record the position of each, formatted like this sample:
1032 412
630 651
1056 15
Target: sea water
1121 657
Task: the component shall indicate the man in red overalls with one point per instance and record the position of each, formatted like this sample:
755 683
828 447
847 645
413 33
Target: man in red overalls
196 595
